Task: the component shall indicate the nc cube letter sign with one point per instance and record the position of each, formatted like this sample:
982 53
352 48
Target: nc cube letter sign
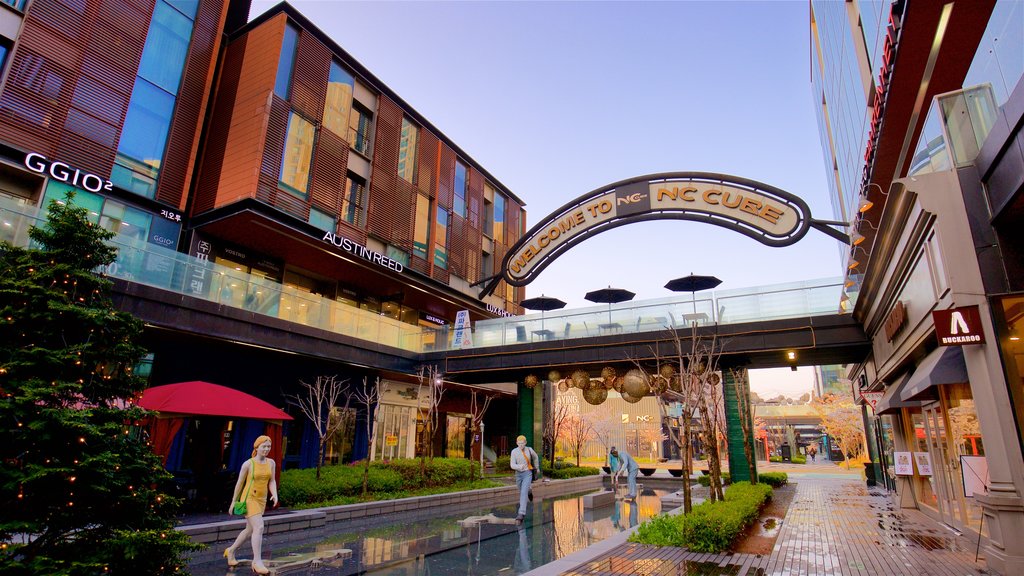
958 326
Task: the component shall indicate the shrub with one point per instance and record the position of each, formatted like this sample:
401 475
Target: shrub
503 465
705 480
773 479
799 460
709 527
775 458
571 472
440 471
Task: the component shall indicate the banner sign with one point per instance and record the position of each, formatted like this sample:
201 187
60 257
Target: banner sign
904 465
958 326
463 337
975 475
767 214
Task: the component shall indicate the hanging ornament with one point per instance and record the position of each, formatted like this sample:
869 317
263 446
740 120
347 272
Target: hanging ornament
595 395
563 386
630 399
554 376
667 371
635 384
530 381
608 373
580 379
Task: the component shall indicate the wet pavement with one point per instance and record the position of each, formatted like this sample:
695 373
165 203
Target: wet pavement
834 526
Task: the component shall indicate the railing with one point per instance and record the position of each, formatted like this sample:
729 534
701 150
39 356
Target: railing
791 300
152 265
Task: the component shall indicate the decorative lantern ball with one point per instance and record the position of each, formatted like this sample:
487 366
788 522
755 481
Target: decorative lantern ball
715 379
581 379
609 384
675 384
595 396
607 373
659 385
531 381
635 384
554 376
667 371
563 386
631 399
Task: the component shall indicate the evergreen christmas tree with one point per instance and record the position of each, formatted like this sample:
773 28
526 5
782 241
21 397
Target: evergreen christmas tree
80 490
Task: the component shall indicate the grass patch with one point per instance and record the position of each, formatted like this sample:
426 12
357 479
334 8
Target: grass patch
710 527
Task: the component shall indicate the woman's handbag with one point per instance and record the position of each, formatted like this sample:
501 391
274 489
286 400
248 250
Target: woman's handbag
240 508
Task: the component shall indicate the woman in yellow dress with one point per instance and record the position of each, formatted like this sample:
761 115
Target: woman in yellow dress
255 501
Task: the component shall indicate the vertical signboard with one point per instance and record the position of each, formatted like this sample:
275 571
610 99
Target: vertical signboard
463 337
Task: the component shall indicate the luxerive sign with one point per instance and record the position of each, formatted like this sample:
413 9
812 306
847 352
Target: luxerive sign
765 213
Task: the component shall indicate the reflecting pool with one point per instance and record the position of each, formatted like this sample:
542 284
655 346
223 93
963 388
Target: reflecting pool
468 541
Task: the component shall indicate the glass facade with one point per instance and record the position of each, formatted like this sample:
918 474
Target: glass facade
999 60
441 240
298 155
461 185
421 230
338 104
359 129
283 82
407 156
499 217
352 204
841 95
148 122
322 220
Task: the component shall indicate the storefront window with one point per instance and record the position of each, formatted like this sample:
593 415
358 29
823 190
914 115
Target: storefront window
1012 347
926 491
967 450
393 436
455 444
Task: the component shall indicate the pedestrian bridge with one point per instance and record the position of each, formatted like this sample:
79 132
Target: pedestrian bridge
751 325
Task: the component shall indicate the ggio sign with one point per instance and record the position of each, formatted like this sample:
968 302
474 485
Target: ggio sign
62 172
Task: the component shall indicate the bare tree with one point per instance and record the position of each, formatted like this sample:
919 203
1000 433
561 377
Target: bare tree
429 393
603 424
651 437
477 409
739 386
318 403
577 430
369 396
557 418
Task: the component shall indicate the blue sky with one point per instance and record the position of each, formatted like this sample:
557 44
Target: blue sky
556 99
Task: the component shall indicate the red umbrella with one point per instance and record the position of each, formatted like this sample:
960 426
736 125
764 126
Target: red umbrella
205 399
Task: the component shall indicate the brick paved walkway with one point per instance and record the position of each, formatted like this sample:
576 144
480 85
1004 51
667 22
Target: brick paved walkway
834 526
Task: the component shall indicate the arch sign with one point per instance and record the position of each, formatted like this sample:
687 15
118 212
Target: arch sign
765 213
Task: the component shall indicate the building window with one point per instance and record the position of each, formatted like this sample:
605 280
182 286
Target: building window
441 241
17 4
498 231
283 83
407 151
338 105
322 220
354 200
421 231
487 260
359 129
461 183
148 121
297 156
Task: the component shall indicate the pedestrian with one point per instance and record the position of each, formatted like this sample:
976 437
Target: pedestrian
524 461
620 461
255 480
813 452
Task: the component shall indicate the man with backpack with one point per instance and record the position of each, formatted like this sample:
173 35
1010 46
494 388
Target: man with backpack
526 463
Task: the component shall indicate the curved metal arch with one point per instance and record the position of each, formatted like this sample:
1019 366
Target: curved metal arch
632 192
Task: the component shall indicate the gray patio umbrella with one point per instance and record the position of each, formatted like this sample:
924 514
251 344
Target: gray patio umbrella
693 283
609 296
542 303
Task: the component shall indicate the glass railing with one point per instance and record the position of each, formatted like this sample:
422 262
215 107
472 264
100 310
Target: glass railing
152 265
791 300
955 130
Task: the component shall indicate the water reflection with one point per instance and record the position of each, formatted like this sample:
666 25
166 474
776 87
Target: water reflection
477 541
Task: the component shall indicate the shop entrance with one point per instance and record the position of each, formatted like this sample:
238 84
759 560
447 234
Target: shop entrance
938 450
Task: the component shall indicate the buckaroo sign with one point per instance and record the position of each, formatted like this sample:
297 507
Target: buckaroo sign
765 213
958 326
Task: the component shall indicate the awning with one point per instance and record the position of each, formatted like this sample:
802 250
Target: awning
942 366
891 401
205 399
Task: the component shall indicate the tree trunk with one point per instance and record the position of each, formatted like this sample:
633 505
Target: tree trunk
687 458
320 456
